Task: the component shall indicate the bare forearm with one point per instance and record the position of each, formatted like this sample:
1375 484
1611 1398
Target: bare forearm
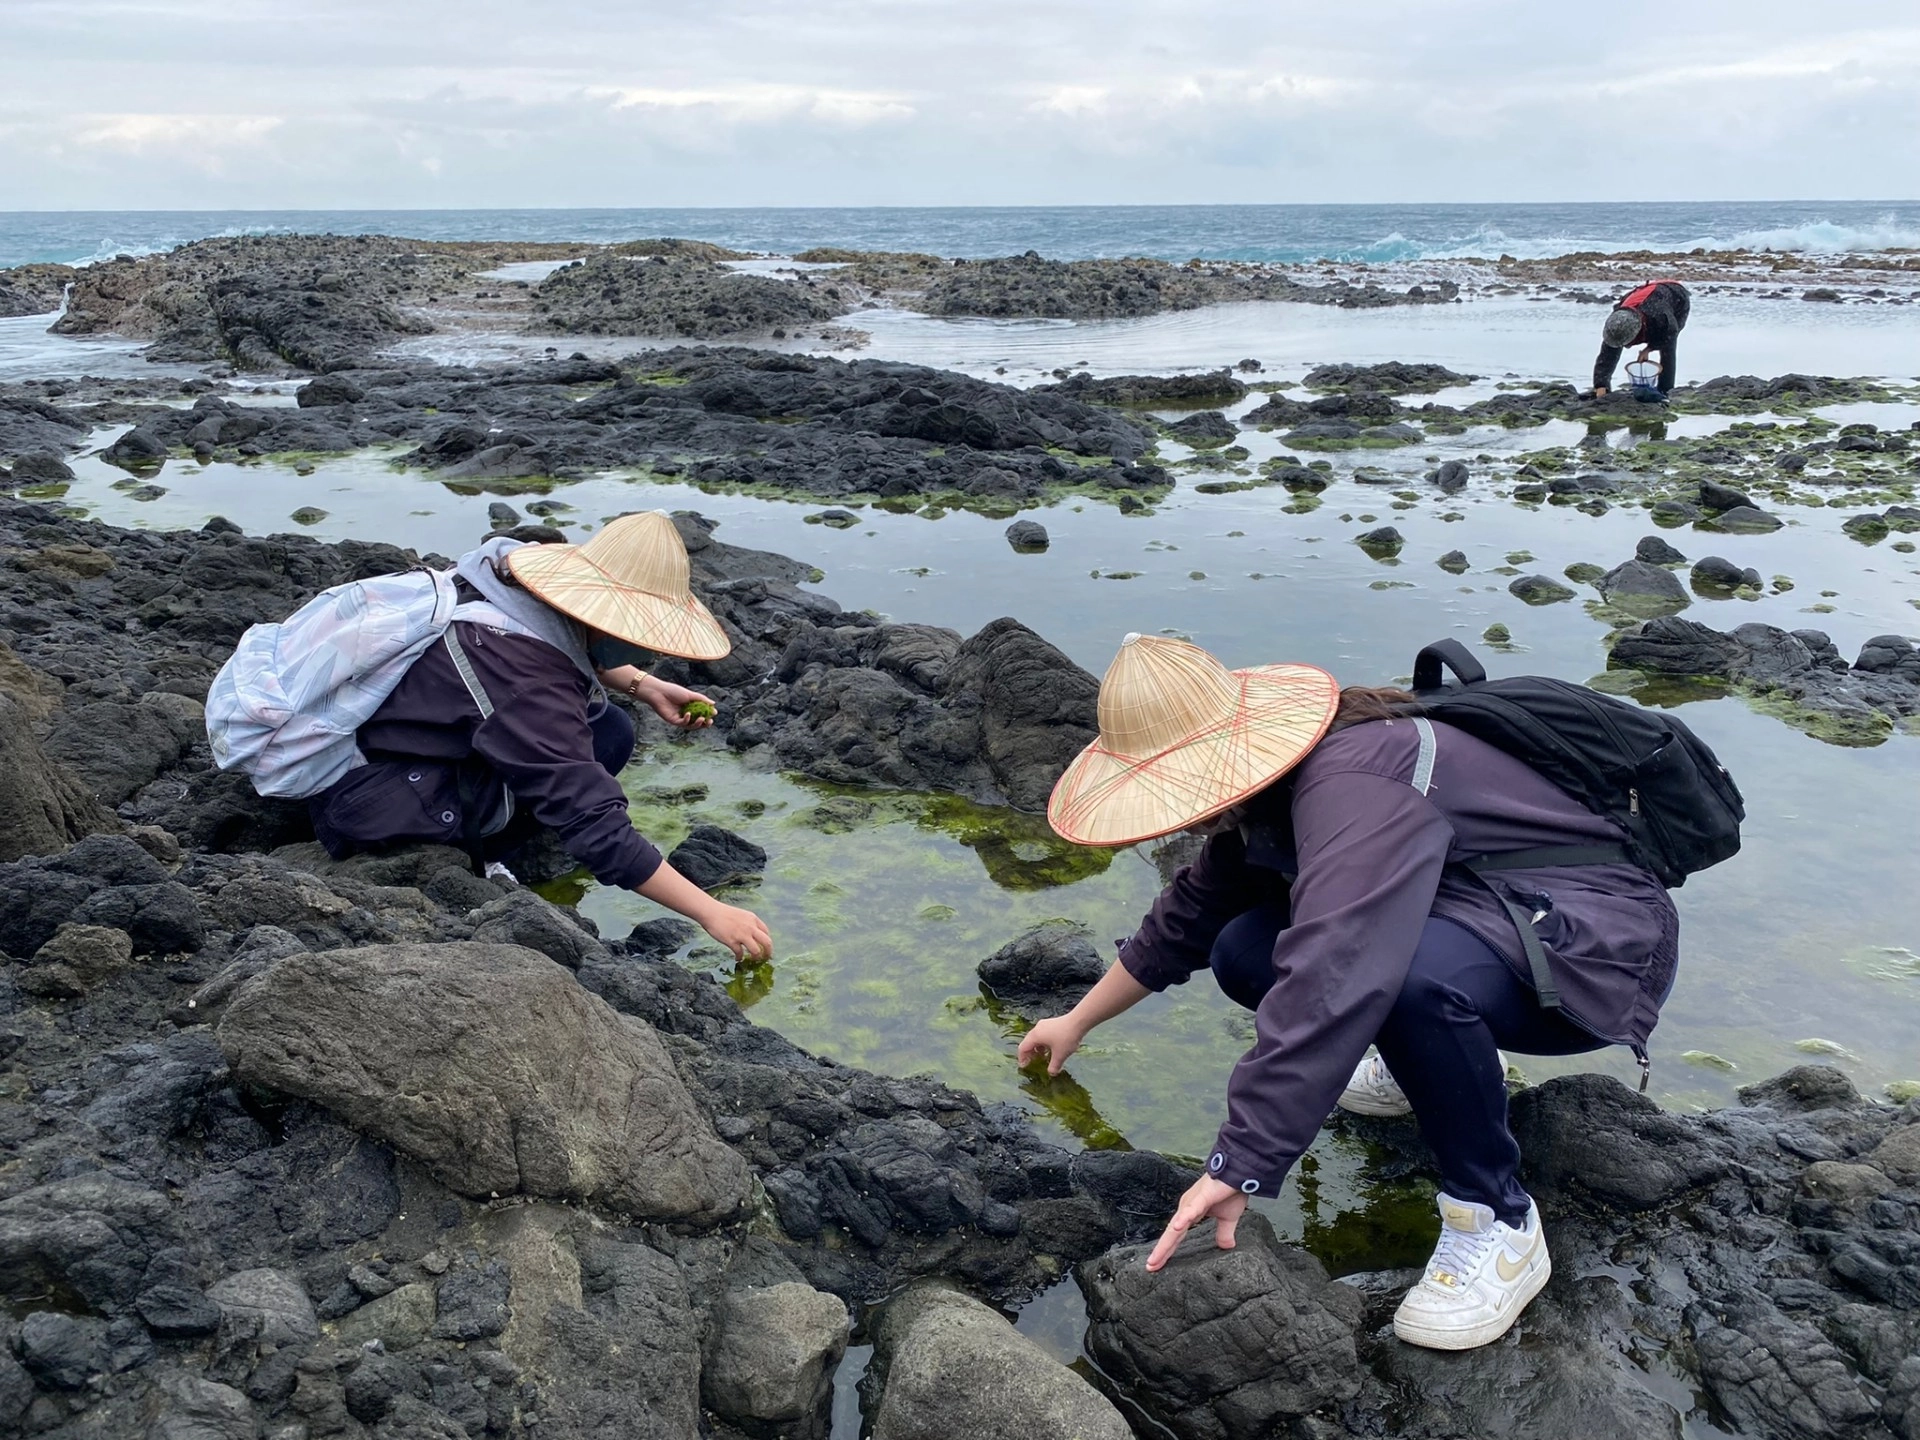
668 887
1116 993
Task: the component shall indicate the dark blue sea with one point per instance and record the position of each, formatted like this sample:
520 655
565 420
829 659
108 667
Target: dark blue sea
1277 233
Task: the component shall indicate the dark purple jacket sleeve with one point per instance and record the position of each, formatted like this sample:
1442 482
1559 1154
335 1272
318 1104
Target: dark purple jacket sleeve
1371 850
538 739
1177 935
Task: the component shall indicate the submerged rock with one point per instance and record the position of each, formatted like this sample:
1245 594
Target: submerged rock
1711 573
1045 971
1539 590
1643 589
1382 543
1029 537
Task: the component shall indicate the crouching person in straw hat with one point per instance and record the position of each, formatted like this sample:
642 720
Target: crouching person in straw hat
509 724
1323 900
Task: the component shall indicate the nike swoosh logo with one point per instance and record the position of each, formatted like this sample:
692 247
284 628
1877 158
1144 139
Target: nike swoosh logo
1509 1272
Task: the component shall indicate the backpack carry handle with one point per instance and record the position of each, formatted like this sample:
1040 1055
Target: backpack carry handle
1450 653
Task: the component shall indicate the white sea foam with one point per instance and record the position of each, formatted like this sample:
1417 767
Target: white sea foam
1823 237
110 249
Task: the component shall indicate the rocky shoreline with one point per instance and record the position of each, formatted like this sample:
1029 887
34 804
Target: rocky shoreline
299 1149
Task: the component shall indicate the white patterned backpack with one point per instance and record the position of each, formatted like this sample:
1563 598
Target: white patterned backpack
284 708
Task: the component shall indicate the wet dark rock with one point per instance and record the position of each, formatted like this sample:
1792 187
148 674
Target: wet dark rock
1206 429
1591 1135
1892 655
524 918
502 516
93 1236
1776 665
712 857
1656 551
118 748
1454 562
1381 543
1029 537
1643 589
1674 512
835 519
1539 590
407 1043
1714 573
1451 476
1216 388
472 1302
328 390
1743 520
673 297
138 450
176 1311
1275 411
946 1365
1715 496
41 470
1224 1344
651 939
1045 971
1395 377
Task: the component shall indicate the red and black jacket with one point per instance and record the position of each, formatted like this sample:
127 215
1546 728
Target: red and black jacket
1662 306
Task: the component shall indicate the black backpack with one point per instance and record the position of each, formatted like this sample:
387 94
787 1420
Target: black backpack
1641 768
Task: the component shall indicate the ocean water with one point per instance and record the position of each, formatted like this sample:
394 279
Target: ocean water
1379 234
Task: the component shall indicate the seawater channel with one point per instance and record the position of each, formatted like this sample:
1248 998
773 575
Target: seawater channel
1804 947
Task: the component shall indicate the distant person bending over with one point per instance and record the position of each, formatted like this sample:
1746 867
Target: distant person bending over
1651 317
507 725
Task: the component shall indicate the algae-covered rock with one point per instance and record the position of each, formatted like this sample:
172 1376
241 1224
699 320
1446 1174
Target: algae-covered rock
1539 590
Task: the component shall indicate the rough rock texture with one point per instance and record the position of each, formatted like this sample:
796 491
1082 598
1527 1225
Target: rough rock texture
946 1366
1224 1344
769 1363
712 857
1799 670
677 296
491 1066
1046 971
1641 588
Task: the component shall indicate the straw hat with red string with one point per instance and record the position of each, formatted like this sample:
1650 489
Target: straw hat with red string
1183 738
630 581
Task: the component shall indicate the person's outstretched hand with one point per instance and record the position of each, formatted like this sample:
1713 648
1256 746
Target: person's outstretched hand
1206 1196
741 931
1058 1036
666 699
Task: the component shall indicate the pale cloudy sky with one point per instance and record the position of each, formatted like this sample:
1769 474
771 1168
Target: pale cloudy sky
114 104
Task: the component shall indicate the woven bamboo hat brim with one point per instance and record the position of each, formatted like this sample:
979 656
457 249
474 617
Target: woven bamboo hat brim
1182 738
629 581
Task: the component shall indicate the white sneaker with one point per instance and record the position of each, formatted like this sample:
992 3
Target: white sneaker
1482 1274
497 871
1373 1090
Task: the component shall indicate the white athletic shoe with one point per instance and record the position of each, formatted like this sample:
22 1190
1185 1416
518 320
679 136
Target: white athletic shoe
1374 1091
497 871
1482 1274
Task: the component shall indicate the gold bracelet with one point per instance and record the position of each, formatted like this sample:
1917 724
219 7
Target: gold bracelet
633 685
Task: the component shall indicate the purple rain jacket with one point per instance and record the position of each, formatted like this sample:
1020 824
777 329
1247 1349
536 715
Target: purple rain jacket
1372 855
537 739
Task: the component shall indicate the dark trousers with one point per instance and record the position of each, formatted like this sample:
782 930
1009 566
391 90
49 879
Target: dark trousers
393 800
1461 1004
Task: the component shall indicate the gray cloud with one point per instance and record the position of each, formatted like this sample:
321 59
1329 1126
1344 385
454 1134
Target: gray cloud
214 103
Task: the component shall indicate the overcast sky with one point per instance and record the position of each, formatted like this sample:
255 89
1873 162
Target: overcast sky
112 104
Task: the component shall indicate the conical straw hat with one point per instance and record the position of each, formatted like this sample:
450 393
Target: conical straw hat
1182 737
629 581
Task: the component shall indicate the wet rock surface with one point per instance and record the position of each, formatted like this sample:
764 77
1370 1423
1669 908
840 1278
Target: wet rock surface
1045 971
239 1191
1799 672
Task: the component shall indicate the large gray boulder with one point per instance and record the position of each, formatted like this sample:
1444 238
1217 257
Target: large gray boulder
1224 1344
92 1235
769 1362
490 1065
955 1370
